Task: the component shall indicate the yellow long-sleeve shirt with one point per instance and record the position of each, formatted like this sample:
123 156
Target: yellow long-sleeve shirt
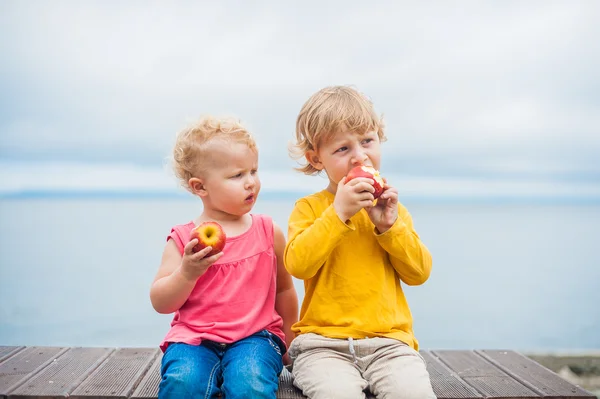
352 274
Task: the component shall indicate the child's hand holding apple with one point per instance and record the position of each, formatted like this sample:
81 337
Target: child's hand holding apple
384 212
368 172
357 190
204 248
209 234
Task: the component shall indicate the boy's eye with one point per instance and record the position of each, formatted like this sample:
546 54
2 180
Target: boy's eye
254 171
341 149
367 141
237 176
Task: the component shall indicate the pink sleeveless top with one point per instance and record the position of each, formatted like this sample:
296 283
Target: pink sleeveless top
235 297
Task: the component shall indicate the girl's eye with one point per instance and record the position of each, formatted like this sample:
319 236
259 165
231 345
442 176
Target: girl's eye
367 141
341 149
237 176
254 171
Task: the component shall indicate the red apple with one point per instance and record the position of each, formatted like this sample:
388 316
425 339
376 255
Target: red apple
209 234
370 173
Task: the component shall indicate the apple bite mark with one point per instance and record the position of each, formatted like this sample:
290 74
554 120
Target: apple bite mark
370 173
209 234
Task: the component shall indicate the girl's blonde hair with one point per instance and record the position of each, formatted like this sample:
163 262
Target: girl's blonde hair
189 152
328 112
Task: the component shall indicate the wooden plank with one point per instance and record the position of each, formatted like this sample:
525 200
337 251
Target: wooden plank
148 387
62 375
118 375
446 384
16 369
286 389
482 375
534 375
39 372
7 351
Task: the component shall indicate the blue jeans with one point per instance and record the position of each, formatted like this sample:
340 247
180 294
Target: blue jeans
248 368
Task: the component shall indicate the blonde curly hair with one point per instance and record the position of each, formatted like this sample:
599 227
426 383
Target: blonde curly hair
329 111
189 152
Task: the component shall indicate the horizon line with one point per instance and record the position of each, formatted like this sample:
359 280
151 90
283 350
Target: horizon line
295 194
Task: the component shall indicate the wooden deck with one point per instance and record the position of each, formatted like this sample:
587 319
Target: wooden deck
54 372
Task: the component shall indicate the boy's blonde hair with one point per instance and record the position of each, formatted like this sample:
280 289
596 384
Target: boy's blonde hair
328 112
189 152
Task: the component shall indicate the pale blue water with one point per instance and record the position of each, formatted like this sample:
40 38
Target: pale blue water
525 277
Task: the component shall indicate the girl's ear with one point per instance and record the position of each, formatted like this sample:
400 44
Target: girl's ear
197 187
313 158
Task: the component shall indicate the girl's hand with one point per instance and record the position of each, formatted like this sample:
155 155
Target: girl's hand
286 359
385 212
352 197
194 265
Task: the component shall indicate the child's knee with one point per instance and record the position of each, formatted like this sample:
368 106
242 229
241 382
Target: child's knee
255 388
180 385
414 390
254 379
334 390
182 378
251 382
338 385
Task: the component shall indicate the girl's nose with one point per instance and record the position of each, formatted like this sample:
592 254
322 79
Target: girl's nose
250 182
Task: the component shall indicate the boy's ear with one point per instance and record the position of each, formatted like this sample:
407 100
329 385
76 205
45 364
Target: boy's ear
197 187
313 158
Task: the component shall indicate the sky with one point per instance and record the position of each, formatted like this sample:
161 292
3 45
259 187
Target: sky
479 98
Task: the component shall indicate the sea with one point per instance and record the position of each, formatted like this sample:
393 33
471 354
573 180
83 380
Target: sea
76 271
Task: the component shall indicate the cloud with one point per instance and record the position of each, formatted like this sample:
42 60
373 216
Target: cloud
506 88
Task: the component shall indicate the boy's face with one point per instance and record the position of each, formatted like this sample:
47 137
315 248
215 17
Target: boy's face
344 151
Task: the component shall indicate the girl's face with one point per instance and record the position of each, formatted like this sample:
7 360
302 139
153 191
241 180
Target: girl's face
343 152
230 184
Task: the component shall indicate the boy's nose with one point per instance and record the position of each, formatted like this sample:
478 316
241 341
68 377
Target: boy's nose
358 158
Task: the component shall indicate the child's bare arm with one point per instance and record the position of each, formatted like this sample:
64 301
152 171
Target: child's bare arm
177 275
286 302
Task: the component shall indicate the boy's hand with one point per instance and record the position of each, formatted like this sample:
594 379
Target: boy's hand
194 265
385 212
353 196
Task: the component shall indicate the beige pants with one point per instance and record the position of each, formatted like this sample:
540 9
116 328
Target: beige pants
336 368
